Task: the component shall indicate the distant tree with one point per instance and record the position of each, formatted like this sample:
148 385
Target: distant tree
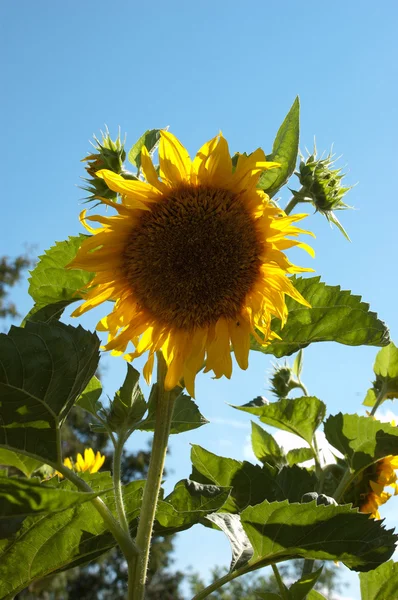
11 271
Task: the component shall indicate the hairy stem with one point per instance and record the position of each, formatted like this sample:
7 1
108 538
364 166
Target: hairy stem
117 482
379 400
291 205
126 544
164 413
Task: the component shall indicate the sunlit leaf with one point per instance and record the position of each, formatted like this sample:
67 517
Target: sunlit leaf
300 588
22 462
128 405
22 497
301 416
250 484
280 529
265 447
335 316
380 584
89 398
284 151
187 504
54 542
51 283
361 439
299 455
386 371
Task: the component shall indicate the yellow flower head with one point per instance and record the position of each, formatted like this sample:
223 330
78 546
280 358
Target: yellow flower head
376 477
194 260
91 462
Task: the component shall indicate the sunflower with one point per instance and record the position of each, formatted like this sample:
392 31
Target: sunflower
194 260
373 480
91 462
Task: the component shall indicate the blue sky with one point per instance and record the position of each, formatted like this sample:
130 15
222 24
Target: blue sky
70 68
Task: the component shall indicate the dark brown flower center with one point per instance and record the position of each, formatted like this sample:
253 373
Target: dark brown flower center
193 257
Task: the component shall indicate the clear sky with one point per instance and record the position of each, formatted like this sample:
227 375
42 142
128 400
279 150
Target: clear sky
69 68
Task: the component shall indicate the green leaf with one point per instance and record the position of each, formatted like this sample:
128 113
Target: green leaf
380 584
336 316
52 283
284 151
89 398
128 405
298 364
149 139
300 589
186 414
21 497
54 542
43 369
250 484
242 550
268 596
291 483
301 416
24 463
314 595
299 455
280 531
386 371
265 446
187 504
46 314
361 439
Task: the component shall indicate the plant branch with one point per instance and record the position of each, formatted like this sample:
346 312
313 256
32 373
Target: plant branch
379 400
117 482
126 544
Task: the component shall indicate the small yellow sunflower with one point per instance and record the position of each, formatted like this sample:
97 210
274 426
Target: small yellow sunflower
194 260
91 462
376 477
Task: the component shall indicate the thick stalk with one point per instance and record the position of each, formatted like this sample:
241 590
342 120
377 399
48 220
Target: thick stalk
126 544
117 482
164 413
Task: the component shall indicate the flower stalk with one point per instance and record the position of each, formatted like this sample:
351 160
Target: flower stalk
164 413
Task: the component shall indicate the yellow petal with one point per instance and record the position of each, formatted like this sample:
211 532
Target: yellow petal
219 164
132 190
240 337
175 164
150 172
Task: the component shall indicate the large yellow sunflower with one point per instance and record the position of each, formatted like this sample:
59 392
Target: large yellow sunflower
194 260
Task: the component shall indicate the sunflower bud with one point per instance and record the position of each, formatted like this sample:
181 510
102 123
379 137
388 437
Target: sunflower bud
283 381
322 186
109 154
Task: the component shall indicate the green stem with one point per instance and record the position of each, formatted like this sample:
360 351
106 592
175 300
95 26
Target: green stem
291 205
343 485
279 581
164 413
379 400
126 544
117 482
